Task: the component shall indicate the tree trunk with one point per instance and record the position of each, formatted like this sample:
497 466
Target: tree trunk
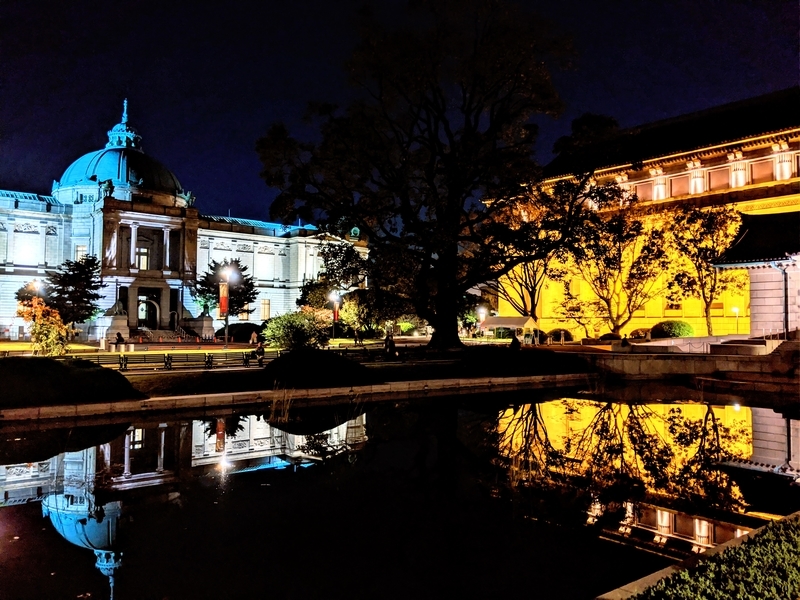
707 310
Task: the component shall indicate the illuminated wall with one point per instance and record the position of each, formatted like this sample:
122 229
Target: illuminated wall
755 175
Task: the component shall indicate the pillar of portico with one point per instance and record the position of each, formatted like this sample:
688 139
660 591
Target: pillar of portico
738 169
110 243
133 306
162 433
163 305
166 250
42 243
126 472
10 237
134 243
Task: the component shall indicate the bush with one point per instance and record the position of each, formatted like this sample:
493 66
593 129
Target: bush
764 566
671 329
607 337
304 329
556 335
639 334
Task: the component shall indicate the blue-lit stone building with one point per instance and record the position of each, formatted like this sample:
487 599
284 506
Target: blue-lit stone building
129 210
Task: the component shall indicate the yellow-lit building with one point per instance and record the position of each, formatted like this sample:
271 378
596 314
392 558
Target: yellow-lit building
745 155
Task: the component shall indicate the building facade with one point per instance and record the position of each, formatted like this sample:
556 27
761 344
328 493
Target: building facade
745 155
130 211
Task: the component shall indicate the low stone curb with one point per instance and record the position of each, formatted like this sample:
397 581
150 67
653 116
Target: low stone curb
402 390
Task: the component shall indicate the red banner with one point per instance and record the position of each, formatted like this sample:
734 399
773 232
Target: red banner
223 299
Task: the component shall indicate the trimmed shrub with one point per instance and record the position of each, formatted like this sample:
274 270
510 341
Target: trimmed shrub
639 334
556 335
607 337
671 329
764 566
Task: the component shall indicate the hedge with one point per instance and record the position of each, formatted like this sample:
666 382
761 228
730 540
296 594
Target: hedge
671 329
763 567
556 335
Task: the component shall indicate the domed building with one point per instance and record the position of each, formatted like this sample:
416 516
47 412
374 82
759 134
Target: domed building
125 207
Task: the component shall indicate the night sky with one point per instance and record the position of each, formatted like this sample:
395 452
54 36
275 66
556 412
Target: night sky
205 80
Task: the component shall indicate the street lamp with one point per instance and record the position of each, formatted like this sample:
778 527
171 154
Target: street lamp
736 312
481 317
223 299
334 297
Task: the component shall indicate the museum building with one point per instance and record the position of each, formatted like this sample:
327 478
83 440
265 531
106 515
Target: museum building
745 155
129 210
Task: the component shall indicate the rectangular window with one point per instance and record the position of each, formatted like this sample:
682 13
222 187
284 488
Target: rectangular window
265 312
137 439
142 258
674 306
245 316
684 526
644 191
762 171
80 252
719 179
679 186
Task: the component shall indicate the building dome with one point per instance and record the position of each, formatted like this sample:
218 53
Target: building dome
123 165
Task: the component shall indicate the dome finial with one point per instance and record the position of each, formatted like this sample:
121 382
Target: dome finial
123 135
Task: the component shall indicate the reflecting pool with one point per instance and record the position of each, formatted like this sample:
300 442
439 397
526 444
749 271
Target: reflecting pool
403 500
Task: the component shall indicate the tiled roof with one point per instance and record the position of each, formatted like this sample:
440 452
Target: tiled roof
29 197
766 114
259 224
763 239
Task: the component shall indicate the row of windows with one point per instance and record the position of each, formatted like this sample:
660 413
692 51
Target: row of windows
714 179
264 313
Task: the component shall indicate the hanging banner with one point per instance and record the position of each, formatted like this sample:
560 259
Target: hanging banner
223 299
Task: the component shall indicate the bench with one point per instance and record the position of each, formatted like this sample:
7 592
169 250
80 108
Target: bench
228 359
194 359
128 360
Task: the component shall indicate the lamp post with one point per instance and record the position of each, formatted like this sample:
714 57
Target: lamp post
736 312
334 297
223 299
481 317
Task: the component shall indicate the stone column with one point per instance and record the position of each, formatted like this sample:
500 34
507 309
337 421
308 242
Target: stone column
738 169
166 249
163 307
697 177
133 306
10 237
126 473
162 431
134 241
659 183
43 243
783 166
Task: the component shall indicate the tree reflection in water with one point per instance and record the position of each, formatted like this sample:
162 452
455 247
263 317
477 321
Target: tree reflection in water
568 457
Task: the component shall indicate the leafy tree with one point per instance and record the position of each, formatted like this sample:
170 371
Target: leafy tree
241 287
369 309
585 314
428 160
72 290
345 266
315 294
48 332
701 236
623 259
304 329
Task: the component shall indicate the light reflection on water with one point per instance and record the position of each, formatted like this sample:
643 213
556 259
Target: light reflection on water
236 476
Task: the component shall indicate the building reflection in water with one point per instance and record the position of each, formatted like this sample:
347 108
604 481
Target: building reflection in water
664 474
157 456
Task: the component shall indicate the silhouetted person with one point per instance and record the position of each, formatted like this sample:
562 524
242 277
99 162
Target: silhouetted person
120 339
259 352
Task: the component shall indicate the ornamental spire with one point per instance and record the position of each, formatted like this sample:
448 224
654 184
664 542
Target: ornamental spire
123 135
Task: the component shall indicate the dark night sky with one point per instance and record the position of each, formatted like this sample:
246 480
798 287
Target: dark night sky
205 80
